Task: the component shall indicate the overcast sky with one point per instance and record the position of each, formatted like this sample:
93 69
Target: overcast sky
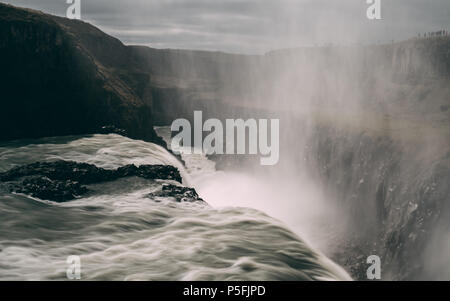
253 26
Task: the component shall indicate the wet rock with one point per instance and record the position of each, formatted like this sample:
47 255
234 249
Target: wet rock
179 193
62 181
61 170
127 171
159 172
47 189
150 172
111 129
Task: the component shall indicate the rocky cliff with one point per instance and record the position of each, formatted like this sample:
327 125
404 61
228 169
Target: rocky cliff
62 77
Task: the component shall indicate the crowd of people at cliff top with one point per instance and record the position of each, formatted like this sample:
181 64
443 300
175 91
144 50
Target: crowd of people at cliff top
440 33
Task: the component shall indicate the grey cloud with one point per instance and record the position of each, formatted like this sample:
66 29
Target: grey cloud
253 26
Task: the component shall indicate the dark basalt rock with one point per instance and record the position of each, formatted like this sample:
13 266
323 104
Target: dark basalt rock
62 171
47 189
62 181
179 193
111 129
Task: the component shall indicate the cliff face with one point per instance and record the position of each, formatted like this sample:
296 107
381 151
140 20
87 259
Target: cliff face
384 155
396 199
63 77
220 84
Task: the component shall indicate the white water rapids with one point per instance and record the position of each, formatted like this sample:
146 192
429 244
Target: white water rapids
122 234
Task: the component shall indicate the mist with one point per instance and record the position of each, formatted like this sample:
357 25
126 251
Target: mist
363 137
362 131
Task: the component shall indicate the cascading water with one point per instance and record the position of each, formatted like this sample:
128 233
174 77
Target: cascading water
122 233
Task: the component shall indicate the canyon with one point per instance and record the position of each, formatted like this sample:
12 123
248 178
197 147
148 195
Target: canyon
371 124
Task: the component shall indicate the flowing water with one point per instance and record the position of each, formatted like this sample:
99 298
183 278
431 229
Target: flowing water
120 233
